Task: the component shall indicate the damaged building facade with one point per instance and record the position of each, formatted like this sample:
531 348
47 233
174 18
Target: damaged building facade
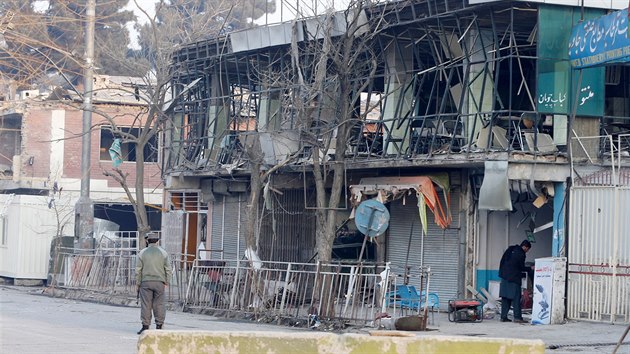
466 118
40 177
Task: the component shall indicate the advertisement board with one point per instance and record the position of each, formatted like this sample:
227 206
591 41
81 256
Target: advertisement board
549 283
543 284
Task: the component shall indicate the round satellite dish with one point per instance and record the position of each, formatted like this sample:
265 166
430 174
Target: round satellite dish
371 218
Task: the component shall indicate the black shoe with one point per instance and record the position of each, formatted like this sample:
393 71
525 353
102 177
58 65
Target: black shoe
519 320
506 320
144 328
157 326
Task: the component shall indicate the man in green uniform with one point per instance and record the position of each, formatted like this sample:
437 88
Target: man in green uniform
153 273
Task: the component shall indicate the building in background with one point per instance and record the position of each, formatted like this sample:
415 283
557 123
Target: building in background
40 163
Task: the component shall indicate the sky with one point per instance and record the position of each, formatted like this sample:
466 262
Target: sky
285 10
136 6
147 5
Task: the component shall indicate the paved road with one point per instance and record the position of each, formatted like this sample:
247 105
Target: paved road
34 323
571 337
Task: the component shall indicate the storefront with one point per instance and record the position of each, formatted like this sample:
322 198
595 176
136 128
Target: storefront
425 234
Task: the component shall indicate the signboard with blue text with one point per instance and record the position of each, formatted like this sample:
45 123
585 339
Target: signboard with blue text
599 41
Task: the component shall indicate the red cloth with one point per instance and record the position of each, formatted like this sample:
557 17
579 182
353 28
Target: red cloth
526 300
214 275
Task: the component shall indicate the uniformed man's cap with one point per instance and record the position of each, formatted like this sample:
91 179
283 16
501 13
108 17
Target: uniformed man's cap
153 236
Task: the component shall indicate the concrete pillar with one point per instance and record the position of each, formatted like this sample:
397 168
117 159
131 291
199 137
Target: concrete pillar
174 136
559 211
586 146
218 113
399 96
269 111
84 223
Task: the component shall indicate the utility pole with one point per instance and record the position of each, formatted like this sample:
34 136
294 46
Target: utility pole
84 209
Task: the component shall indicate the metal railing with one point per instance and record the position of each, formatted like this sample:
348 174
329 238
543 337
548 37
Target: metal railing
118 242
111 273
114 273
349 292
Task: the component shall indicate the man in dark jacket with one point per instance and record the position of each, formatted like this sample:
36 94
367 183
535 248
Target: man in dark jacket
510 270
153 273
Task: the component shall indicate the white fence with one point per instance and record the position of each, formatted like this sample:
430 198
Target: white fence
117 242
599 254
113 273
352 293
349 292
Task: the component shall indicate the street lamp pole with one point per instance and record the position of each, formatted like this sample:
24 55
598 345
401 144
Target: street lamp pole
84 208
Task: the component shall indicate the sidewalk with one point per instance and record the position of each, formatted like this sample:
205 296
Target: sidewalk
571 337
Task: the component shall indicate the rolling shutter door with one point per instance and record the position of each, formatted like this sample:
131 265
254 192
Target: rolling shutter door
228 227
441 247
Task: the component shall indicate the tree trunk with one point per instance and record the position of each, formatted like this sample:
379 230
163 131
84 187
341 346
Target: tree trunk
139 206
252 207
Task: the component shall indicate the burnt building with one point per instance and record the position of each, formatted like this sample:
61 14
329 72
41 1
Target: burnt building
466 118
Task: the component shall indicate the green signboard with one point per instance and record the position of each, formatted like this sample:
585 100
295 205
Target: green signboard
557 89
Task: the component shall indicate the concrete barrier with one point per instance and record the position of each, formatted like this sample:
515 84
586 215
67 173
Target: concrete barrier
163 342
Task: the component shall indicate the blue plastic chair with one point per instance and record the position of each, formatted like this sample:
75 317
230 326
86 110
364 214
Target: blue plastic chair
404 296
432 302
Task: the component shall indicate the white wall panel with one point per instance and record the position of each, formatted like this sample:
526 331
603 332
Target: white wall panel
57 141
599 254
31 226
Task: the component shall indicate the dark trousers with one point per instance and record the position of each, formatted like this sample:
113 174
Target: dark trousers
511 297
153 300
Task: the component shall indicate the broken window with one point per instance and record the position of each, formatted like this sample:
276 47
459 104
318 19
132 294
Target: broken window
10 141
127 148
366 134
615 125
244 107
186 200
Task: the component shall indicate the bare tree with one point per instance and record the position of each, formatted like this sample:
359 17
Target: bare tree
329 71
63 210
32 50
342 65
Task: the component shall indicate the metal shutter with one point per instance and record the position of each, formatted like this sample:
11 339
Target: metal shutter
228 227
441 247
294 239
